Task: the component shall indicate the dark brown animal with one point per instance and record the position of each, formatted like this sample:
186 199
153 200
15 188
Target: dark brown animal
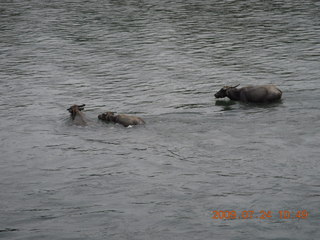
122 119
77 116
255 94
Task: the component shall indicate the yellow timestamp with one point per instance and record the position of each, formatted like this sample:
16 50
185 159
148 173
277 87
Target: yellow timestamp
262 214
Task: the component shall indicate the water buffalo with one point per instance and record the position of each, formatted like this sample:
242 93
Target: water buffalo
122 119
255 94
76 115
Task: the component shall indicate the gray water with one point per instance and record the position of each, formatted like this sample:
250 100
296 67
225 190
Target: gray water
162 61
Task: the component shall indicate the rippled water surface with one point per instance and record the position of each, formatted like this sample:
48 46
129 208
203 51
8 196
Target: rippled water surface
162 61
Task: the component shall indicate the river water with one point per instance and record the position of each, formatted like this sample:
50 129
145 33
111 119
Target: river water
162 61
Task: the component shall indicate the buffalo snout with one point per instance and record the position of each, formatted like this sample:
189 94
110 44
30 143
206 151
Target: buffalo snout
100 116
221 93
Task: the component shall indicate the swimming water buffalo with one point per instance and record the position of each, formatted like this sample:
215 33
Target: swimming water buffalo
76 115
122 119
255 94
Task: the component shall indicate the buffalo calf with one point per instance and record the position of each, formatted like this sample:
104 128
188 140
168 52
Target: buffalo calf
122 119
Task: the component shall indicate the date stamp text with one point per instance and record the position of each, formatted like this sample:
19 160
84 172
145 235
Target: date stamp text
262 214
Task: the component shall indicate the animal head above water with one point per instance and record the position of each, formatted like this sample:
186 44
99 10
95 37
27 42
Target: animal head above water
107 116
74 109
223 91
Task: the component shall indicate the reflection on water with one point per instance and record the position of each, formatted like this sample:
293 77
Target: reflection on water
225 104
163 61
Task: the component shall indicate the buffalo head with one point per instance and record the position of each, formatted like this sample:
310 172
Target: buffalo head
74 109
223 91
107 116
